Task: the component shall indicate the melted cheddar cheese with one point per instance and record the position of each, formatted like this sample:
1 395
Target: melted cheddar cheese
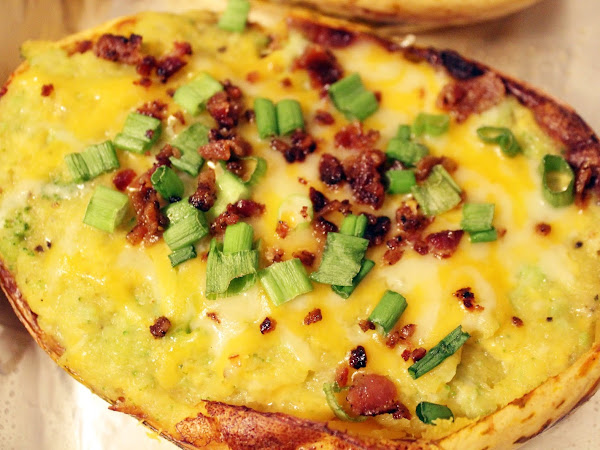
98 295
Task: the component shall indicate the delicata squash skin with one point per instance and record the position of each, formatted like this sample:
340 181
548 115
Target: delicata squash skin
245 365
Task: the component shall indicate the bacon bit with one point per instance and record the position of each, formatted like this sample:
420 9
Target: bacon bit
371 394
233 142
3 90
318 199
306 258
406 354
392 339
543 229
236 211
249 115
47 89
282 229
123 178
427 163
39 249
218 149
226 106
363 174
468 299
411 222
324 226
145 66
164 155
156 109
418 353
331 171
304 213
321 64
81 47
144 82
313 316
444 244
352 136
179 116
302 144
377 228
324 118
206 193
170 92
323 35
366 325
274 255
286 82
267 325
549 319
213 316
407 331
252 77
341 376
395 250
168 66
401 412
160 327
151 222
233 356
578 244
358 357
475 95
501 232
181 49
119 48
236 167
517 322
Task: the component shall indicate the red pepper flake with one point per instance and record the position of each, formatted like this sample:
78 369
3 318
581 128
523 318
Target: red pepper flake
517 322
366 325
213 316
160 327
282 229
267 325
543 229
418 353
358 358
47 89
313 316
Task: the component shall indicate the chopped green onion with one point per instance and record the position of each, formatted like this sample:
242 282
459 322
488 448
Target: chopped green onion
285 281
266 118
388 310
182 255
223 268
93 161
189 163
179 210
139 133
77 167
188 142
235 16
187 226
409 153
106 209
431 124
558 181
238 237
477 217
292 208
430 412
350 97
439 193
404 132
193 96
484 236
260 169
341 260
503 137
400 181
230 189
167 184
346 291
354 225
330 390
444 349
289 116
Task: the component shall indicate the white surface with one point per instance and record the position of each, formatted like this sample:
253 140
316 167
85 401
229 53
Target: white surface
554 45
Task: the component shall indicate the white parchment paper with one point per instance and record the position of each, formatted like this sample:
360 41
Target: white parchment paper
554 45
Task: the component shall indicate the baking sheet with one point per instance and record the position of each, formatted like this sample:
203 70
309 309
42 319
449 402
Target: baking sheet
555 45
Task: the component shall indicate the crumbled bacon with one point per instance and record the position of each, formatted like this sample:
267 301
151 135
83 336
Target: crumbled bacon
517 322
236 167
358 357
324 118
219 149
213 316
282 229
144 82
235 143
81 47
341 376
392 339
371 394
318 199
324 35
331 171
407 331
164 155
145 66
274 255
321 64
377 228
169 65
306 258
324 226
267 325
411 222
160 327
363 174
418 353
444 243
366 325
468 299
206 193
123 178
226 106
427 163
179 116
313 316
474 95
151 222
47 89
236 211
352 136
395 250
119 48
543 229
155 108
406 354
302 144
253 76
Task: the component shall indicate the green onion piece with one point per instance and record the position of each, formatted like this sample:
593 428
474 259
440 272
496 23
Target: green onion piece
179 210
189 163
223 268
388 310
188 142
296 210
354 225
230 189
477 217
409 153
350 97
444 349
400 181
193 96
106 209
130 143
189 227
346 291
431 124
430 412
167 184
330 390
139 133
439 193
260 169
266 118
182 255
235 16
404 132
503 137
100 158
238 237
341 260
558 181
484 236
77 167
289 116
285 281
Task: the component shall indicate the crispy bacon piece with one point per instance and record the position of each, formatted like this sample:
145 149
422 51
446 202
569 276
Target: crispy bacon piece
206 193
236 211
473 95
81 47
324 118
371 394
517 322
392 339
366 325
306 258
411 222
145 66
219 149
358 357
313 316
377 228
318 199
169 65
267 325
164 155
119 48
424 166
47 89
324 35
321 64
331 170
151 222
302 144
352 136
226 105
144 82
123 178
155 108
395 250
282 229
543 229
468 299
324 226
418 353
407 330
444 243
341 376
406 354
160 327
234 143
363 174
274 255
